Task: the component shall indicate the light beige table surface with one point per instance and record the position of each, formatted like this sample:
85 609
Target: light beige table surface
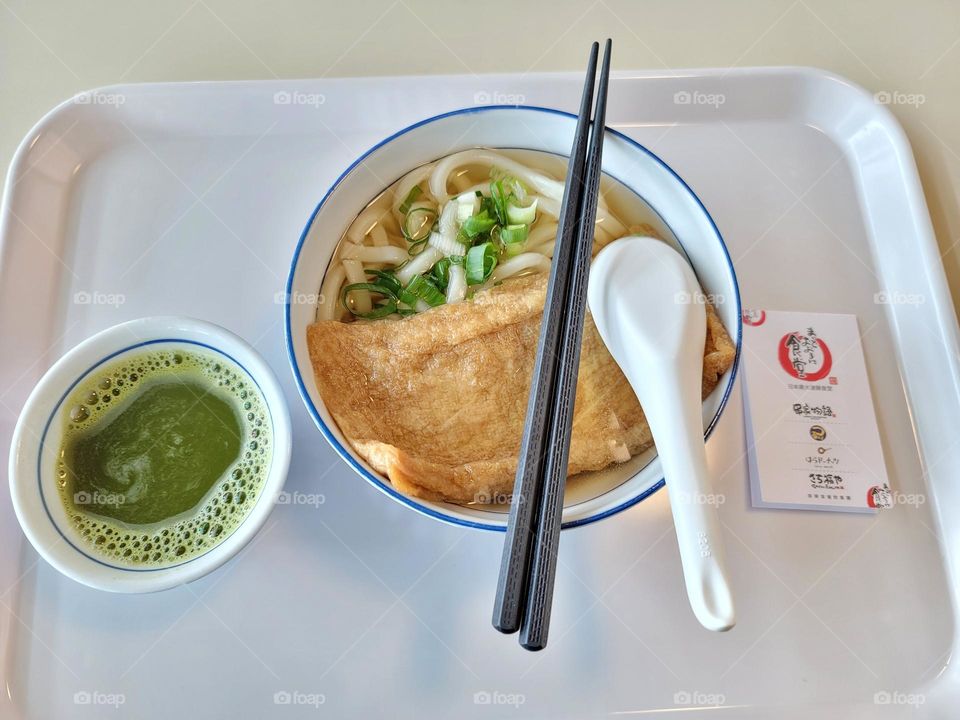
51 50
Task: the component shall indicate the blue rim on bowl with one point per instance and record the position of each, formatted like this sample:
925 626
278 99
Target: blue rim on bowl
385 486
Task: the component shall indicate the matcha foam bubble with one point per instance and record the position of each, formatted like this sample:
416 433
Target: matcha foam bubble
98 400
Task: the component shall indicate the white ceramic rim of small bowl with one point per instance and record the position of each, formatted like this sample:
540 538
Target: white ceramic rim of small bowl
430 509
43 408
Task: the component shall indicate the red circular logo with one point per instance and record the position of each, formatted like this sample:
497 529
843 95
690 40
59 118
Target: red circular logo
804 357
753 318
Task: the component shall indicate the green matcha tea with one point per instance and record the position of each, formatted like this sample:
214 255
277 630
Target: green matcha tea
164 453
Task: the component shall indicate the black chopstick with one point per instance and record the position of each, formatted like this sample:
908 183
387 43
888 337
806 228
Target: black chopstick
536 623
528 568
512 583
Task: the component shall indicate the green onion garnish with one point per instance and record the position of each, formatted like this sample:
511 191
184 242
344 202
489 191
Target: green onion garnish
518 215
510 183
418 223
388 281
480 262
514 238
417 245
499 196
478 224
382 310
425 290
411 198
441 273
387 307
467 205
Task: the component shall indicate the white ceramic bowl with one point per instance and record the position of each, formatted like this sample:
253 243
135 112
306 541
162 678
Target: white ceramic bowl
36 441
670 206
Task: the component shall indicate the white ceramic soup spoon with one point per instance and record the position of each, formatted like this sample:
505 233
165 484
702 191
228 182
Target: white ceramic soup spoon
647 305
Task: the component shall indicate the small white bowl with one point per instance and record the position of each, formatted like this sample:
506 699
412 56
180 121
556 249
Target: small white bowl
670 206
36 441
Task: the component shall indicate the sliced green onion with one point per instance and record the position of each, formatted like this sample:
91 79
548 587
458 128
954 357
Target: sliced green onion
519 189
411 198
499 195
417 246
477 225
407 300
441 273
480 262
488 206
514 238
518 215
387 281
387 307
510 185
418 223
425 290
380 311
468 204
457 284
372 287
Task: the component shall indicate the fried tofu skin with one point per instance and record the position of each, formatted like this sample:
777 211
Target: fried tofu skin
436 401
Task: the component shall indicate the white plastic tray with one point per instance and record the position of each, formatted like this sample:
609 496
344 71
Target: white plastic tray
189 198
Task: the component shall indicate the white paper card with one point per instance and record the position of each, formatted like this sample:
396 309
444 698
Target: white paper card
812 437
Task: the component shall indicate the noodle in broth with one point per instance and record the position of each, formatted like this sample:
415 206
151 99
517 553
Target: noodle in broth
453 227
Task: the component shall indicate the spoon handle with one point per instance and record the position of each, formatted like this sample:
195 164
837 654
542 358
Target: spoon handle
640 297
674 413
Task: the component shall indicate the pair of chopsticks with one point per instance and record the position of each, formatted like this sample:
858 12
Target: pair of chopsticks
529 564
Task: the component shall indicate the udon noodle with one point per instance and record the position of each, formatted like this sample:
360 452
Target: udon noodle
447 230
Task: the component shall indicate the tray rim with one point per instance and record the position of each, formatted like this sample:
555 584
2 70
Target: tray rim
945 687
